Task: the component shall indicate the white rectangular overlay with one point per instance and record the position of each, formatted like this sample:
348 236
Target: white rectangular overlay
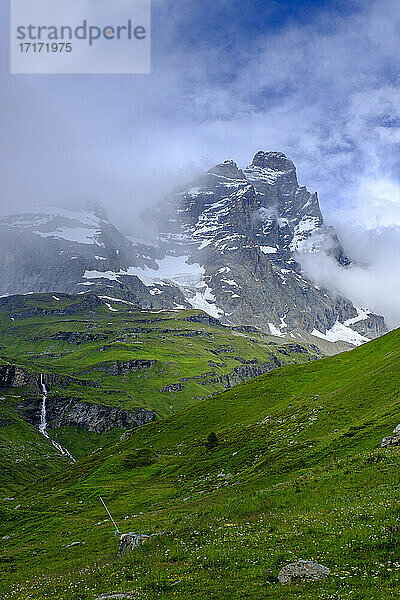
80 36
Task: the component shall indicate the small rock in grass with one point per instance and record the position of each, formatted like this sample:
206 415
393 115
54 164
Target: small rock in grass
303 570
129 541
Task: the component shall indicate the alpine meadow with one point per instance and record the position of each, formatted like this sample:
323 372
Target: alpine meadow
200 300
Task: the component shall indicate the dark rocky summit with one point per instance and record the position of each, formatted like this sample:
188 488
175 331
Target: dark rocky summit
247 230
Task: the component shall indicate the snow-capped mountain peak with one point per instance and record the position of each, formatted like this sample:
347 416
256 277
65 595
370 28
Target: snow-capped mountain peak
254 224
229 243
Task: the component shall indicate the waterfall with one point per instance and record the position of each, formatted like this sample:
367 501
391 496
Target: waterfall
43 423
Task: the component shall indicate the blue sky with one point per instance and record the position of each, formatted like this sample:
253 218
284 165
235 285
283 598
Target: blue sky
233 22
316 80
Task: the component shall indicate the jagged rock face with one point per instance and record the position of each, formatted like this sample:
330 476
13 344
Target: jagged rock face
73 412
100 418
172 387
12 376
301 227
238 236
245 372
125 367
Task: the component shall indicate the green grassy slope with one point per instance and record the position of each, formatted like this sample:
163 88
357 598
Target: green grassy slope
25 454
81 337
40 333
297 472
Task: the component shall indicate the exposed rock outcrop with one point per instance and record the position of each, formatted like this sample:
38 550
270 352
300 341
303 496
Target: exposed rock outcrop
100 418
79 337
245 372
12 376
172 387
293 349
371 327
207 319
73 412
125 367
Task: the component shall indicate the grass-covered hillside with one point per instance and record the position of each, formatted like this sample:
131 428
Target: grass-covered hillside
106 352
85 337
295 471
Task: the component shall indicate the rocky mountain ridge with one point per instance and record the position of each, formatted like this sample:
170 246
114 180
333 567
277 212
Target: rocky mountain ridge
229 243
245 231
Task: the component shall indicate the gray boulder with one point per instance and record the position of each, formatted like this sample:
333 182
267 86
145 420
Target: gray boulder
392 440
129 541
303 570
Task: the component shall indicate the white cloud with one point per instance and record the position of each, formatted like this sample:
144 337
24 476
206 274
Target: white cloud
373 280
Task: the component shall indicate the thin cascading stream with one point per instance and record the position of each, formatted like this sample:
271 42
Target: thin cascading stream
43 423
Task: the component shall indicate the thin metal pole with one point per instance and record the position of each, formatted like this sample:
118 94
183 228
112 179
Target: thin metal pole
109 514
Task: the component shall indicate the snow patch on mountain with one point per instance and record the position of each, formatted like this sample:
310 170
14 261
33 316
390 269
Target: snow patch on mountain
266 175
79 235
341 332
204 299
309 236
102 275
275 331
188 277
362 314
172 269
79 226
